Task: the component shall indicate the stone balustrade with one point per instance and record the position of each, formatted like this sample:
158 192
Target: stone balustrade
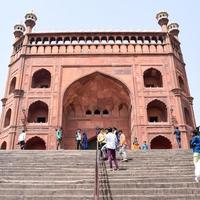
97 43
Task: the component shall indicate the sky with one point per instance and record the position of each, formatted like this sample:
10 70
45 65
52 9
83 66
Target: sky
77 15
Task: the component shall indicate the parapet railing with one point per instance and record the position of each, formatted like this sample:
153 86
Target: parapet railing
96 189
98 43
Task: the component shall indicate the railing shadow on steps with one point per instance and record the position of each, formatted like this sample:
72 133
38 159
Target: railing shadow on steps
105 186
96 189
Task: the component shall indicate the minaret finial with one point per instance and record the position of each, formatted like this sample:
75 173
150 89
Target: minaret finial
30 20
162 18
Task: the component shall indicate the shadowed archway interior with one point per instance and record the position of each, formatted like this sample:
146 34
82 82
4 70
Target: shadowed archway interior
96 100
161 142
35 143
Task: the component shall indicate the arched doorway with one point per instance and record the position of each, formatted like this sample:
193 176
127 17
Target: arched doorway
12 85
152 78
7 118
35 143
4 145
38 112
161 142
96 100
41 79
157 111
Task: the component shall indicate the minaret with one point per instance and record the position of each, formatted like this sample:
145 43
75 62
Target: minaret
18 31
30 20
162 18
173 29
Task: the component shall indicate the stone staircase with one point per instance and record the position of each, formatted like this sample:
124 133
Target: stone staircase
69 174
156 174
47 175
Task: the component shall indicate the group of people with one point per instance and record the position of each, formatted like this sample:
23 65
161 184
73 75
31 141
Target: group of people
136 145
81 139
112 141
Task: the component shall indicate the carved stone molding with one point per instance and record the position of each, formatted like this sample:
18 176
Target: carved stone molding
4 101
176 91
18 93
190 99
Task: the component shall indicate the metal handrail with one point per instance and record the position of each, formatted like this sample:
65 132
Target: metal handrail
96 192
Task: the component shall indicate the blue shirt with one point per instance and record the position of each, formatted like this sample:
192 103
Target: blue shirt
177 133
144 147
195 143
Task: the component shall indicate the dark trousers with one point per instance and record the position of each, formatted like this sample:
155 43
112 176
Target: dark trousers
178 139
78 144
58 144
22 144
112 156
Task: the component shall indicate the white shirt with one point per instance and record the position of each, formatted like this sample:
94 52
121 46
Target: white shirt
111 141
22 136
78 136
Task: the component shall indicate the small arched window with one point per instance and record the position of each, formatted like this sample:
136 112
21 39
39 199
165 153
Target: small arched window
105 112
41 79
157 111
188 119
88 112
97 112
12 85
152 78
38 112
7 118
181 83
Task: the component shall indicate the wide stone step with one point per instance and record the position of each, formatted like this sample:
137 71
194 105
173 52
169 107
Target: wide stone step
91 197
84 184
151 197
122 191
47 197
150 180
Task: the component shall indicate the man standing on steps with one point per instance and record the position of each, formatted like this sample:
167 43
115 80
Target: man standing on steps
21 139
111 145
195 144
78 139
59 137
178 136
122 146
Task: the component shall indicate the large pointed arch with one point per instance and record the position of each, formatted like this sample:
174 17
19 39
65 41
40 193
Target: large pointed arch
35 143
4 145
160 142
96 91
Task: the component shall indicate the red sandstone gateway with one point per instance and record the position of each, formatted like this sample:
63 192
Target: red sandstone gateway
135 81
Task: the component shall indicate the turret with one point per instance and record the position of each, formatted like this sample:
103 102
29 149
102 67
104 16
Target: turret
162 18
30 20
18 31
173 29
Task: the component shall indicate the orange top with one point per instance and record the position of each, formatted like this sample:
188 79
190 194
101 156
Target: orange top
122 139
